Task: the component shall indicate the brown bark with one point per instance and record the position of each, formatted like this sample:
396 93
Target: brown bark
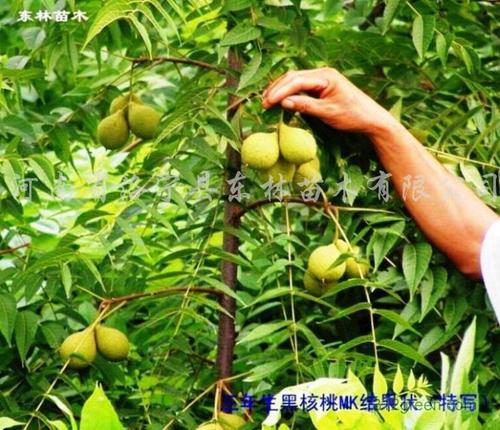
227 332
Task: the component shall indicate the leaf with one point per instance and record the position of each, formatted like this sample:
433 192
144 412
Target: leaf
262 330
442 48
91 266
410 314
457 124
445 373
416 259
18 126
312 339
260 372
346 346
7 423
57 425
227 256
464 359
64 409
437 289
110 12
407 351
221 286
398 383
53 333
9 176
466 58
422 33
410 384
379 383
151 18
26 327
33 37
472 176
66 279
98 413
396 318
242 33
390 10
250 70
431 340
383 240
348 311
43 169
430 420
7 316
143 32
355 181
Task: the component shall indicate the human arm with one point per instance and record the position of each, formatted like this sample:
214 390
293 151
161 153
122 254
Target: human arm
448 212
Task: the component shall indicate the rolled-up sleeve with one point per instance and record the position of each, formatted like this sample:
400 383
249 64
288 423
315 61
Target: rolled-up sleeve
490 265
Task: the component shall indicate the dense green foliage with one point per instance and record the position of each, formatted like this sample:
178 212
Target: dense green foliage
109 223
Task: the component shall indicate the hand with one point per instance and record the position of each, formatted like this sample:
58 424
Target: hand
331 97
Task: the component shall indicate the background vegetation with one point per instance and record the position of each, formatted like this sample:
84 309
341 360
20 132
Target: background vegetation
103 224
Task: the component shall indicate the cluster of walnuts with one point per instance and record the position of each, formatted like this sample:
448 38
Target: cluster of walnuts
290 155
325 267
286 155
81 348
127 114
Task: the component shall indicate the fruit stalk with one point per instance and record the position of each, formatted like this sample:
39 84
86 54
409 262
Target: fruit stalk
227 333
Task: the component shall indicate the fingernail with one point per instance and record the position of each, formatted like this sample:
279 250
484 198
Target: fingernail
288 104
324 83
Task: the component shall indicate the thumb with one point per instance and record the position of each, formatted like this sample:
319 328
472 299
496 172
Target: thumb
304 104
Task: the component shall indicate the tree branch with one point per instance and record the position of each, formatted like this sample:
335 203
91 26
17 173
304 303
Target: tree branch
227 333
157 293
326 206
176 60
14 249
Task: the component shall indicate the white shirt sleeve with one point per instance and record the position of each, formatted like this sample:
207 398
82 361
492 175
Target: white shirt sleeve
490 265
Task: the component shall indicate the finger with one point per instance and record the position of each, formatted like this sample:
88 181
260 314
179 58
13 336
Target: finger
305 104
270 88
274 83
294 85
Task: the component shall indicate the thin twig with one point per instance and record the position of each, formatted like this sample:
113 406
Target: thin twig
14 249
149 294
295 339
176 60
340 230
313 203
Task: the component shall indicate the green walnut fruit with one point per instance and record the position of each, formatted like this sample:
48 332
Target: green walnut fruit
210 426
112 343
281 171
143 120
231 421
260 150
297 146
113 131
354 267
79 348
308 173
313 285
321 263
122 101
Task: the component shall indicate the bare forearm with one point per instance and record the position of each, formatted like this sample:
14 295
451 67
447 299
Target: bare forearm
446 210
